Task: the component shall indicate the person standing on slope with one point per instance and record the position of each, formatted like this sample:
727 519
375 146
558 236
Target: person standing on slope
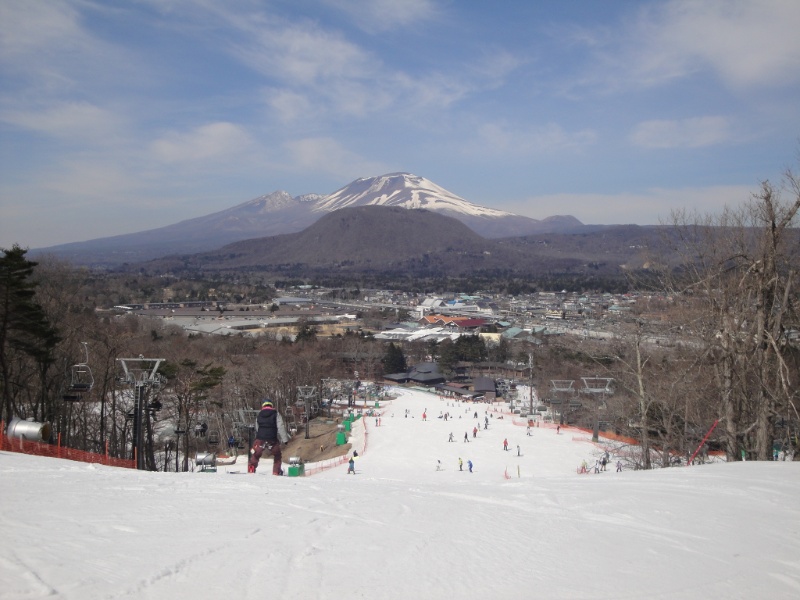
270 434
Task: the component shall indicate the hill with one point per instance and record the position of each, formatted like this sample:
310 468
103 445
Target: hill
401 529
417 244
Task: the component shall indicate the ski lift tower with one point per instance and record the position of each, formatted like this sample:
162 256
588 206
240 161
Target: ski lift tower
140 373
247 422
598 388
530 383
561 385
306 393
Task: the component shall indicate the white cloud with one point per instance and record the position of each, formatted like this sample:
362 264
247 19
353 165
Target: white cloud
288 105
383 15
215 141
652 207
27 28
328 156
298 53
50 50
334 76
502 137
686 133
746 44
69 120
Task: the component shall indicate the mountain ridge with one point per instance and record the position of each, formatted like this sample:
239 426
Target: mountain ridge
279 213
393 243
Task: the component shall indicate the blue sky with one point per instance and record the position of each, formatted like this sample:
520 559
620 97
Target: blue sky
124 116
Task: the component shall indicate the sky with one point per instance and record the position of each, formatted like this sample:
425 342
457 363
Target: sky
400 529
117 117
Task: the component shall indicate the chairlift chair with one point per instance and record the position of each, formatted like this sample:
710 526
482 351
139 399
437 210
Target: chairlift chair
80 378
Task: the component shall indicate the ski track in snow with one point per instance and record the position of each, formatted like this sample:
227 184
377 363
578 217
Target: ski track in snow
402 528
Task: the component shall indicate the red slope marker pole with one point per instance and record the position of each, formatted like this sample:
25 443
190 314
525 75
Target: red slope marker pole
703 441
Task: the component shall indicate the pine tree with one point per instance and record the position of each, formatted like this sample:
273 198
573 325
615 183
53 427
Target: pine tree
24 327
394 361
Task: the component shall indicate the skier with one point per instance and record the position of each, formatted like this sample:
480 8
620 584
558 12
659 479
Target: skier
619 466
558 429
603 463
460 465
469 465
438 465
450 439
270 434
351 466
518 452
505 445
466 437
474 432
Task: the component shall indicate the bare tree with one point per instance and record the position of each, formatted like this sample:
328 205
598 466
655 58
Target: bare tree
741 268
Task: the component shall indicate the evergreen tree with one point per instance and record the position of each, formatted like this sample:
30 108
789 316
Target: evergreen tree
307 333
394 361
24 327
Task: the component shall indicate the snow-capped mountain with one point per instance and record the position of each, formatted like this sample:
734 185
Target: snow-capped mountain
406 191
280 213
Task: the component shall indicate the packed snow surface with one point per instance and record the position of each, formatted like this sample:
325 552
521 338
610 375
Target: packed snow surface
523 524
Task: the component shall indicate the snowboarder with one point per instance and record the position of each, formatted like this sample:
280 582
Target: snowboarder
270 434
351 466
